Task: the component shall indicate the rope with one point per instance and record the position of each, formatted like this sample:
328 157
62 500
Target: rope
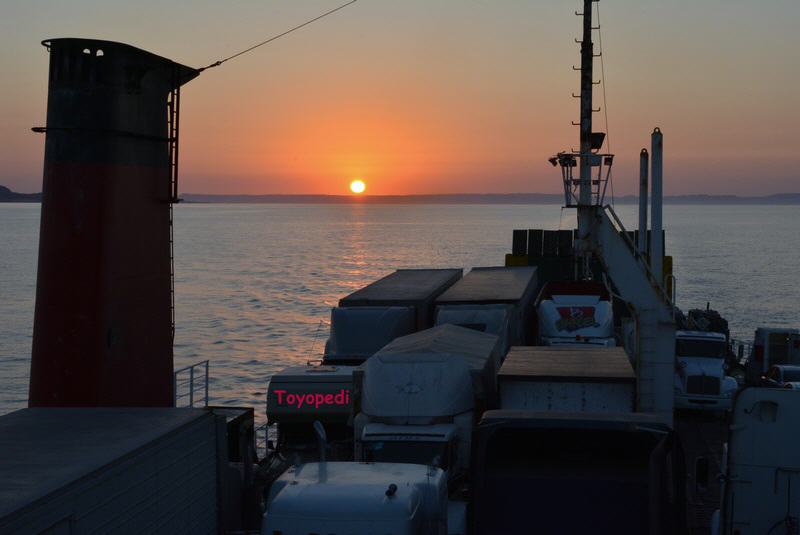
273 38
605 102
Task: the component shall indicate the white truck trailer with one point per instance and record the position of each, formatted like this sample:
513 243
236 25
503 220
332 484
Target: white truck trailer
771 346
371 317
701 380
761 465
494 300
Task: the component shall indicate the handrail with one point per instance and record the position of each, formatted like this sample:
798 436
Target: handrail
638 255
190 393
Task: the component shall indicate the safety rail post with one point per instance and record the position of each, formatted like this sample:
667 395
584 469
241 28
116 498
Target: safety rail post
191 386
206 398
179 393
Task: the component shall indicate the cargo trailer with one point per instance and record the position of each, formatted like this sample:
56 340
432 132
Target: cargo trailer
107 470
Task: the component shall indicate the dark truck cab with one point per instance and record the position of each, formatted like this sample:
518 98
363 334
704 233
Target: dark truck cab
557 472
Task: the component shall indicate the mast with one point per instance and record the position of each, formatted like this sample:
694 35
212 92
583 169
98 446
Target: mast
587 64
585 177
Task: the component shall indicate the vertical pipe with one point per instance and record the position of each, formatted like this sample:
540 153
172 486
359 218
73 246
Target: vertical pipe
644 162
191 386
656 238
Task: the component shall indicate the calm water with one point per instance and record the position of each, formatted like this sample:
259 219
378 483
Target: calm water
254 282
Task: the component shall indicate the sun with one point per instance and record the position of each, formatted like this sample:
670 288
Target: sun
357 186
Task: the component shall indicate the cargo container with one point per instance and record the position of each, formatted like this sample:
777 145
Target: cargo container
99 470
495 300
574 379
396 305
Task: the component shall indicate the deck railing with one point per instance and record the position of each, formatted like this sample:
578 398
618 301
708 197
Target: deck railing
190 385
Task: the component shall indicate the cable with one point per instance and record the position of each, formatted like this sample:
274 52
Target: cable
605 102
273 38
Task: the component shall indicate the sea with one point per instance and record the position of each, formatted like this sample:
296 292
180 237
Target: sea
255 282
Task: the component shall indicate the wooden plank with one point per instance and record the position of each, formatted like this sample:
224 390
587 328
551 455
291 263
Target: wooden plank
546 363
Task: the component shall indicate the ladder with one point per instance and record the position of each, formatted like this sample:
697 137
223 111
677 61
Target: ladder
173 124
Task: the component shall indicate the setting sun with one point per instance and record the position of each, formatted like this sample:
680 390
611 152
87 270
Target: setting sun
357 186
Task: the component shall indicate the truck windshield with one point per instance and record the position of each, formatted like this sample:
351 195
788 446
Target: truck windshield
685 347
413 452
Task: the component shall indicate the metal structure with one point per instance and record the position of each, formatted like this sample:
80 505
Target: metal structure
189 386
602 237
104 318
644 162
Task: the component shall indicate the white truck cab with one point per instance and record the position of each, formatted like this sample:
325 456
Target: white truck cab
701 381
359 499
575 314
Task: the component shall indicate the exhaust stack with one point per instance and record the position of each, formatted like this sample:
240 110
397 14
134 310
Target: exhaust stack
644 162
657 237
103 323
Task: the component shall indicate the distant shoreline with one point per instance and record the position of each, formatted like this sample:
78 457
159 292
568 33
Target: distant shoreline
6 195
478 198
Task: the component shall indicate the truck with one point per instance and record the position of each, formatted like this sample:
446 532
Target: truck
416 404
358 499
567 453
701 381
419 398
771 346
297 397
114 470
576 472
494 300
575 313
761 465
398 304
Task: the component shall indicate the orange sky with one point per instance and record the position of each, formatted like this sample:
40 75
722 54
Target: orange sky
429 97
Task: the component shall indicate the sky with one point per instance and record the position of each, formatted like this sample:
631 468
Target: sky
437 96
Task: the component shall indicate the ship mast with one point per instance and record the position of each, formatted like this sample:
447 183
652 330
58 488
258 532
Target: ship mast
586 191
587 64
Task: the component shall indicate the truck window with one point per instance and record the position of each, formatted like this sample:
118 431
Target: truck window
685 347
412 452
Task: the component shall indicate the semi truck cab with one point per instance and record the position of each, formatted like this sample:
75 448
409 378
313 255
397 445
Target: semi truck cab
575 314
701 381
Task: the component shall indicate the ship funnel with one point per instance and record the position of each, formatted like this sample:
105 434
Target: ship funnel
103 324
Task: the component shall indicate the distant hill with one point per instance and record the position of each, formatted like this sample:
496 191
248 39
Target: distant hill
476 198
6 195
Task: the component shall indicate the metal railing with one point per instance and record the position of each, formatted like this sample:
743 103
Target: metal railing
187 382
262 437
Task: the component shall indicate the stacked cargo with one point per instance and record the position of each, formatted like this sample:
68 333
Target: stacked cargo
495 300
